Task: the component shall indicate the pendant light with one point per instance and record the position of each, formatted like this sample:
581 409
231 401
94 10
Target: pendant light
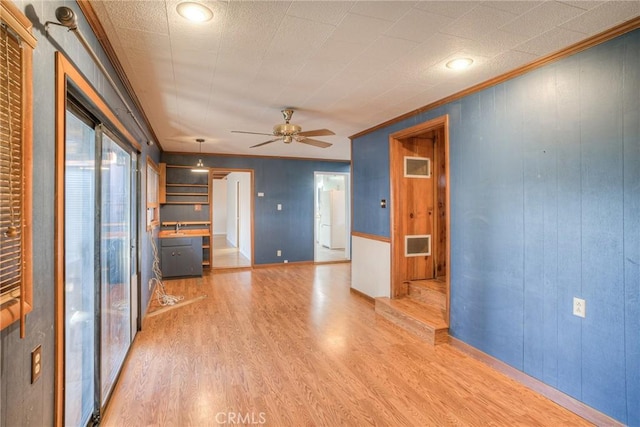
200 167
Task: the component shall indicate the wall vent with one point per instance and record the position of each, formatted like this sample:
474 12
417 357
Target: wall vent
417 167
417 245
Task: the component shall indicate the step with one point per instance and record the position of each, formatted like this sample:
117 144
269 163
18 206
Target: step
424 320
428 291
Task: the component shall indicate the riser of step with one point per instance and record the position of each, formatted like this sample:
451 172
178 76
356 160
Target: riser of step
405 321
428 296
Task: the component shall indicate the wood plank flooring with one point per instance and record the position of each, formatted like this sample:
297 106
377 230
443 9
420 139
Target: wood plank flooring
292 346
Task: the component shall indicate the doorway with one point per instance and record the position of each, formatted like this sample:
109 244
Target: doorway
420 232
332 227
231 218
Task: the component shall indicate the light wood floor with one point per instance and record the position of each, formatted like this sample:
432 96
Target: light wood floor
292 346
328 255
227 256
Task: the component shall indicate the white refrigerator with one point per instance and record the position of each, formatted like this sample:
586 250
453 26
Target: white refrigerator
332 219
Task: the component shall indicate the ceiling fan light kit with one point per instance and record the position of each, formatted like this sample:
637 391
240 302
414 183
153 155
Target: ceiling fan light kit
289 132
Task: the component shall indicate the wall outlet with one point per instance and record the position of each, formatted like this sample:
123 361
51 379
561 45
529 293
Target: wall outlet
286 261
260 194
36 363
579 307
278 252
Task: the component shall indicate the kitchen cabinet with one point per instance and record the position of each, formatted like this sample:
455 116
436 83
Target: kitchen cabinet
181 256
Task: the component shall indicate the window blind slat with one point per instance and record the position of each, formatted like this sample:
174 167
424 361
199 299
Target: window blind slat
11 169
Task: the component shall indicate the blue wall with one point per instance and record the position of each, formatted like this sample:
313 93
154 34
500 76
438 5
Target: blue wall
289 182
545 206
23 403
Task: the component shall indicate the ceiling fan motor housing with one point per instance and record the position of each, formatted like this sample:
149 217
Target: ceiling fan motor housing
287 130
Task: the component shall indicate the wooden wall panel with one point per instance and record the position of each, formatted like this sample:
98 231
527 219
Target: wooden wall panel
631 218
289 182
371 177
567 139
545 171
603 366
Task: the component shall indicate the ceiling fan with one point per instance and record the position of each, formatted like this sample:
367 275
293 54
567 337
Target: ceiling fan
289 132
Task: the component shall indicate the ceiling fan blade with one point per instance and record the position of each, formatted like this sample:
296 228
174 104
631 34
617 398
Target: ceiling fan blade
315 142
316 132
252 133
265 143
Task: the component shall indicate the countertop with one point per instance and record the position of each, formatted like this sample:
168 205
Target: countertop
184 232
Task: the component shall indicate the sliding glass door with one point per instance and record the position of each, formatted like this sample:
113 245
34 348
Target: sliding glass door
115 261
80 271
98 265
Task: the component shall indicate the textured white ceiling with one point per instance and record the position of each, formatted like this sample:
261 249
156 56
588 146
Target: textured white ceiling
342 65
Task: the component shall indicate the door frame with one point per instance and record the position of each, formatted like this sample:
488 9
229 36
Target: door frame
212 172
398 287
68 79
347 219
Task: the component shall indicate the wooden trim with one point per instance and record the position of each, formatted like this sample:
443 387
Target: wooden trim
68 70
60 125
370 237
362 295
440 123
341 261
602 37
283 264
155 222
18 22
564 400
97 28
251 172
315 159
162 183
65 72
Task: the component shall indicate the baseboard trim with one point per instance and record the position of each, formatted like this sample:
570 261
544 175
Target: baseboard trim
588 413
283 264
362 295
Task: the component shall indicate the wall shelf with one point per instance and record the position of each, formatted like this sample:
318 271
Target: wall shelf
180 190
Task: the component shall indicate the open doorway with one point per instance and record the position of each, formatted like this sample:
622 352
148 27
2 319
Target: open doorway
231 222
332 217
420 231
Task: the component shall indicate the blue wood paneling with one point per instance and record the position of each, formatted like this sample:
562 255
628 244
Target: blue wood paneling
289 182
631 218
23 403
567 137
545 206
371 177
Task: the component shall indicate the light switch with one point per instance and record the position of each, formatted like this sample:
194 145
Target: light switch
279 207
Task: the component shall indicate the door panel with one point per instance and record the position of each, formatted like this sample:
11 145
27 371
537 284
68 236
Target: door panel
80 274
115 214
417 200
97 265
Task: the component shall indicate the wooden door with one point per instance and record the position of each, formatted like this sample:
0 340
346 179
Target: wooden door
418 202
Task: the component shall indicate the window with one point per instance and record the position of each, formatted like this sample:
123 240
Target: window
153 205
417 167
16 52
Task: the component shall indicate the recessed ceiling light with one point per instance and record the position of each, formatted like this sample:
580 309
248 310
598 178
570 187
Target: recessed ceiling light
459 63
194 12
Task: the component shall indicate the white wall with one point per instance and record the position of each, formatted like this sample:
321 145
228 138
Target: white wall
244 241
371 267
219 206
231 210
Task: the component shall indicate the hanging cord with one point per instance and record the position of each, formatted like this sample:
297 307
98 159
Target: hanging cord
162 296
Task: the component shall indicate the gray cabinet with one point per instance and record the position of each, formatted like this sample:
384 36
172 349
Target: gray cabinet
181 257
